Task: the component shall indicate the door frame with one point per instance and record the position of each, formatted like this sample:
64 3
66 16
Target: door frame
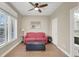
72 31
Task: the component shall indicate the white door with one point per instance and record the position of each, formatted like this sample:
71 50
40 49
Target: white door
54 30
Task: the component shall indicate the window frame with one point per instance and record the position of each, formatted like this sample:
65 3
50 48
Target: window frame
9 16
3 13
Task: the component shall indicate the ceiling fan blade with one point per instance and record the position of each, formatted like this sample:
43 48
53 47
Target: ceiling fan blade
31 9
32 4
43 5
39 10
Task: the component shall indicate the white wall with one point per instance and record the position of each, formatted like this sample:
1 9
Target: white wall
44 26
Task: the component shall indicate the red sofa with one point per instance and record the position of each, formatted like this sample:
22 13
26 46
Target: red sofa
35 36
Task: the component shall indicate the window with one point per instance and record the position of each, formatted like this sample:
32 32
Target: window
13 27
3 28
8 28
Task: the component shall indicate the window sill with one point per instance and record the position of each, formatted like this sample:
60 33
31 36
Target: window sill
5 44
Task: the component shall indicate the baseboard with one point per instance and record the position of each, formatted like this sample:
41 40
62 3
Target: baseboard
64 51
10 49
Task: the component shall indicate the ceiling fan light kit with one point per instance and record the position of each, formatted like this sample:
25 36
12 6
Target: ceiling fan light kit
37 6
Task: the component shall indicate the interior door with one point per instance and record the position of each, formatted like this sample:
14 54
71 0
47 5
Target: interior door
54 30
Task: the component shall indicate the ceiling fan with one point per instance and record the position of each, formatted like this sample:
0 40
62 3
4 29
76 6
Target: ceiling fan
37 6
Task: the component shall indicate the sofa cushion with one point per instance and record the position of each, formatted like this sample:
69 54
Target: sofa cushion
31 34
35 35
40 34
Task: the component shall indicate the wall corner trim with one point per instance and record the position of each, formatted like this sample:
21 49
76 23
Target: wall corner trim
10 49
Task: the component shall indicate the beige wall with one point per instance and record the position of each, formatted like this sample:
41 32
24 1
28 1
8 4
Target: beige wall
9 45
44 24
63 15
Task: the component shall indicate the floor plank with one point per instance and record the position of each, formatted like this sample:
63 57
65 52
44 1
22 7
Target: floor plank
51 51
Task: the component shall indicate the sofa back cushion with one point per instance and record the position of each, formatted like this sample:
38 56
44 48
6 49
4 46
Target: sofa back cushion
40 34
31 34
35 34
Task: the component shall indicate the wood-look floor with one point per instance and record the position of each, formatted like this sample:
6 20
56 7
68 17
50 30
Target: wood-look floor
51 51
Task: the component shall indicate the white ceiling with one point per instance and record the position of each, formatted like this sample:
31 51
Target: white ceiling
23 8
